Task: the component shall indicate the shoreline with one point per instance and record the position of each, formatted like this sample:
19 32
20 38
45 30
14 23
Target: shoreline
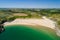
33 22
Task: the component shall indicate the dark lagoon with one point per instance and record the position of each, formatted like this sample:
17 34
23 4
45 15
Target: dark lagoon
20 32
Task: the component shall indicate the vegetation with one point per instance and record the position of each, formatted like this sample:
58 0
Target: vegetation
7 13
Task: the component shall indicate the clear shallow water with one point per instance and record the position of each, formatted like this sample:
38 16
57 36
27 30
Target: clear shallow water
19 32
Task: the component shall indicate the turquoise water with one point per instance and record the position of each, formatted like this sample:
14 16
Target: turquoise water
20 32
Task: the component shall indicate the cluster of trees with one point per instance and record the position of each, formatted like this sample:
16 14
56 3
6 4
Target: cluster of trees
5 13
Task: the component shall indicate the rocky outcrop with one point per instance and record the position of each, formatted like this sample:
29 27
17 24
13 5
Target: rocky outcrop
2 26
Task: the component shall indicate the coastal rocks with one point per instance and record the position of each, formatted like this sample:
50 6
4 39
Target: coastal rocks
2 25
1 28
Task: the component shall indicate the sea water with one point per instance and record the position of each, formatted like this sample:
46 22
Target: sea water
20 32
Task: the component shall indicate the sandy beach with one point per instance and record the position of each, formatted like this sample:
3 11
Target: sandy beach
41 22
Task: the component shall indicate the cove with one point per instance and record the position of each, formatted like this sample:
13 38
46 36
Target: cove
20 32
